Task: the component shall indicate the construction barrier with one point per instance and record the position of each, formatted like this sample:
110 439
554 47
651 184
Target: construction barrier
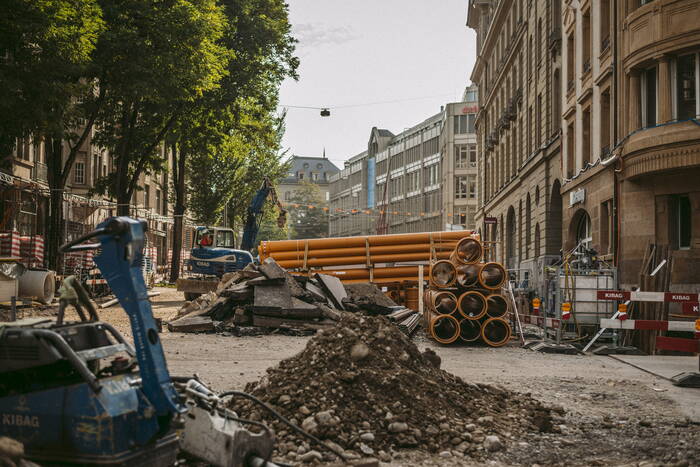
678 344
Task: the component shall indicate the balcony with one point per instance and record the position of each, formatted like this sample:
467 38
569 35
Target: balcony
662 149
657 28
40 172
605 45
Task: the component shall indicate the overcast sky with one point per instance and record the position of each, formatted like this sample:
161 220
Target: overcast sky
416 53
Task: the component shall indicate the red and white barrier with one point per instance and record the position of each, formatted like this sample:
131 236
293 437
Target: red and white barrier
540 321
639 296
648 325
10 244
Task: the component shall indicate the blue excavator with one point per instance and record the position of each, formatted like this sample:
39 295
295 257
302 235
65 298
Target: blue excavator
78 393
213 253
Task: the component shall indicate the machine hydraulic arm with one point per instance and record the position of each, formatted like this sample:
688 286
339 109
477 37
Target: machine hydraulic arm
255 211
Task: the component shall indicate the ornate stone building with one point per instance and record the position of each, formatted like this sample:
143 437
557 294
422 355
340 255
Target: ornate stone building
631 133
518 71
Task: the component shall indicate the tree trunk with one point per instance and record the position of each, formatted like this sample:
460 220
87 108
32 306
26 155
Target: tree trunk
54 227
179 211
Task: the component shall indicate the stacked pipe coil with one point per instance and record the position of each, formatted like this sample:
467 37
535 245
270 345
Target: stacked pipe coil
463 302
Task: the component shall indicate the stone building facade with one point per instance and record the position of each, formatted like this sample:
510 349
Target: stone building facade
631 132
316 170
518 72
24 196
421 180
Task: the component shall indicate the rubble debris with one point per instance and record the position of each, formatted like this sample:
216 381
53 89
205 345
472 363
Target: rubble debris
364 385
333 288
370 298
192 324
267 296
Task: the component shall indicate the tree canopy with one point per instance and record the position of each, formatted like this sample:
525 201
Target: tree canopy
309 219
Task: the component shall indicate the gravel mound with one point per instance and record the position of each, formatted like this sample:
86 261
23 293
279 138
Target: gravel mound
366 387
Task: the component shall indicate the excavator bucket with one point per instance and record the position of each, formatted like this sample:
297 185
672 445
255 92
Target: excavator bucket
282 219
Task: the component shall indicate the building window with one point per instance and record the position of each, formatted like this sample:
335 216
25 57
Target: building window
79 173
460 216
586 43
300 175
147 196
681 222
461 187
606 224
461 155
472 187
158 201
687 87
314 176
570 63
472 155
570 151
649 97
605 124
464 123
586 138
604 25
583 230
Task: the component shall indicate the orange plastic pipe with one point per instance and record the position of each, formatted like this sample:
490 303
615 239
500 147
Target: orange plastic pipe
444 328
402 271
467 251
268 247
495 332
348 260
357 251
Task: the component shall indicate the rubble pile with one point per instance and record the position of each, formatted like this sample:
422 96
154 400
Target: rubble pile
365 387
268 297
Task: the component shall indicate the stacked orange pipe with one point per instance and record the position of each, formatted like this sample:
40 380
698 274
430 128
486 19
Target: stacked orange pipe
363 258
481 309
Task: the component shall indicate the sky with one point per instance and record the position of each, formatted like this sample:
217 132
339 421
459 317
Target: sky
393 63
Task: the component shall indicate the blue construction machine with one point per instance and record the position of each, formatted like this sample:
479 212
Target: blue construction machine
213 253
77 393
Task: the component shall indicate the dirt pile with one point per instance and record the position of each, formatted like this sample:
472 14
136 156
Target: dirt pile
364 386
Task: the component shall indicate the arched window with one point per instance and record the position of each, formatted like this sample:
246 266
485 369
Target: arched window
511 233
537 240
584 237
528 225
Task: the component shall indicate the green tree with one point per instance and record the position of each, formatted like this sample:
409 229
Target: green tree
309 219
231 127
47 90
155 59
45 46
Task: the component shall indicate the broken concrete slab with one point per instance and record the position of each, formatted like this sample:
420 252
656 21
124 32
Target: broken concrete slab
272 270
272 297
269 322
192 324
316 292
239 292
333 289
298 310
262 280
